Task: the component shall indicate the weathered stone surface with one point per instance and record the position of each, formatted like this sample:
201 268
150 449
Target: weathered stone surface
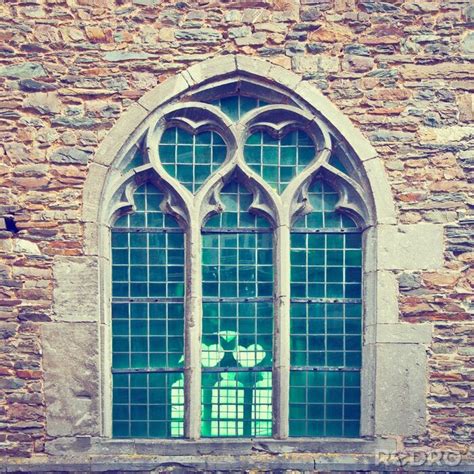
119 56
207 35
71 378
23 71
76 289
410 247
67 155
400 74
400 401
43 102
30 85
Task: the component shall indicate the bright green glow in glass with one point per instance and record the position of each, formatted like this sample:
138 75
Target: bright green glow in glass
147 263
279 160
325 265
189 158
237 106
237 276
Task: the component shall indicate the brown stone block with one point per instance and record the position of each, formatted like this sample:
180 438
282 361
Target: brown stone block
29 374
96 3
439 279
438 71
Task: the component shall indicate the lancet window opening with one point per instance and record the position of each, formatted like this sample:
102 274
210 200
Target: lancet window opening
237 273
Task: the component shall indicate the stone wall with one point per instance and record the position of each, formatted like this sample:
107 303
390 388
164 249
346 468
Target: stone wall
401 71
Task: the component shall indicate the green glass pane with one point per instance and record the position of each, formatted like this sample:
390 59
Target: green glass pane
139 400
236 200
189 158
237 106
237 404
279 160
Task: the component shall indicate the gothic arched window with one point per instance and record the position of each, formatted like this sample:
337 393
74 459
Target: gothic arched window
237 274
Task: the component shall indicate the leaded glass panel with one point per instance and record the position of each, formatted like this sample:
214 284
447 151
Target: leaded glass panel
325 319
237 325
279 160
237 106
147 320
191 158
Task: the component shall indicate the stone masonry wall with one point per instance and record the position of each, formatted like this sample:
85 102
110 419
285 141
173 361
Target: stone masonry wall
402 71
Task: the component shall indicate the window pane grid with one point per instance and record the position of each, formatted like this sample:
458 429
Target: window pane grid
325 320
325 335
148 405
326 265
237 276
324 403
147 335
323 200
236 200
189 158
279 160
147 320
237 404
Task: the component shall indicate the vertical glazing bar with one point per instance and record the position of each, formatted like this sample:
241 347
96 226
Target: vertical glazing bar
193 318
281 364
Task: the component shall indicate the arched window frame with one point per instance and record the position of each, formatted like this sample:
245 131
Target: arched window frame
191 210
383 418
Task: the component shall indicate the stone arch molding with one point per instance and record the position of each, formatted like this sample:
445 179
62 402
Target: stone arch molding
365 195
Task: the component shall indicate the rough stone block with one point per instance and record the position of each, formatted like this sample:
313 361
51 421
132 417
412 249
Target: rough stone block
361 145
92 192
410 247
76 289
404 333
71 378
381 191
124 128
218 66
159 95
381 298
400 399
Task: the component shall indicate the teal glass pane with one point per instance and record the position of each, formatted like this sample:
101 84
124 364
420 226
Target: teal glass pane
323 199
237 106
148 405
237 200
326 265
324 403
237 404
189 158
279 160
337 163
325 320
134 160
325 334
237 325
147 320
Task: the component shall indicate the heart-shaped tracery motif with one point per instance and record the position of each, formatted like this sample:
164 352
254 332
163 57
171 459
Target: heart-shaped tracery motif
191 158
279 159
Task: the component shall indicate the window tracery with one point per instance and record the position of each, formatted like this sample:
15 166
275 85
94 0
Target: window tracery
249 185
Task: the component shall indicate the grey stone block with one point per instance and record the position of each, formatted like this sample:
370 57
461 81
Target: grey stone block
71 378
76 289
400 399
410 247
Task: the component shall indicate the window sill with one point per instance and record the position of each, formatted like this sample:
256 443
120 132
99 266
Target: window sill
218 447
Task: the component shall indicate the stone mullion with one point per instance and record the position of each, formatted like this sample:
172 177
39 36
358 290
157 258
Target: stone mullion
281 351
193 319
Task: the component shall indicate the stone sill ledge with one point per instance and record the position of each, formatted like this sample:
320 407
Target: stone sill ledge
241 447
189 464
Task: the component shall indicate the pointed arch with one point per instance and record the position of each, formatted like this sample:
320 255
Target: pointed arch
134 139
